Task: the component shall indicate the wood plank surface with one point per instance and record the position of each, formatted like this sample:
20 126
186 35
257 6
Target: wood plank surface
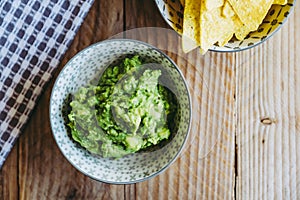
268 108
41 171
244 138
198 173
9 176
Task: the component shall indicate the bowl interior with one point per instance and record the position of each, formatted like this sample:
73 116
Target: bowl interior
172 12
88 65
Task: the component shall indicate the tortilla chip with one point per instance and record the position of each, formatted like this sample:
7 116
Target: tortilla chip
211 4
242 32
251 12
191 23
214 27
280 2
207 22
229 34
227 10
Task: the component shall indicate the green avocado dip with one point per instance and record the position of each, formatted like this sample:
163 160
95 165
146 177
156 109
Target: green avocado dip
127 111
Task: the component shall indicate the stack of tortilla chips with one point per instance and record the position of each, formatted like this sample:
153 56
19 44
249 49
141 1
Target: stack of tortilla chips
209 22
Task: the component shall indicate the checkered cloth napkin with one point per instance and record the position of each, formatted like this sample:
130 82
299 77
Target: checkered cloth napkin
34 35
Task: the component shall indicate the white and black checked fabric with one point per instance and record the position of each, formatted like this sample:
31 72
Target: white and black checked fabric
34 35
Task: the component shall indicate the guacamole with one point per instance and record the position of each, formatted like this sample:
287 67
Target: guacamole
127 111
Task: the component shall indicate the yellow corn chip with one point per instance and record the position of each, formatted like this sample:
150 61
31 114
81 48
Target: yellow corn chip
214 27
242 32
229 34
227 10
211 4
207 22
251 12
280 2
191 23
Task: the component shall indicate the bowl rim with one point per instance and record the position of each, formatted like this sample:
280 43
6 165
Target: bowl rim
168 164
228 50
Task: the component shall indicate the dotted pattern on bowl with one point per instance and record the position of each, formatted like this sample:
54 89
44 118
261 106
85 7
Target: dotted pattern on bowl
88 65
172 12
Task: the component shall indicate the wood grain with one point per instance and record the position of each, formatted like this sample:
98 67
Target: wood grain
142 14
44 173
9 176
268 104
244 138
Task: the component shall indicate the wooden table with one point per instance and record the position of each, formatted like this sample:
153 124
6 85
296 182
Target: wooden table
245 135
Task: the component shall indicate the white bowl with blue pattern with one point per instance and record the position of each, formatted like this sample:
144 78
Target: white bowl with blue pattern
88 65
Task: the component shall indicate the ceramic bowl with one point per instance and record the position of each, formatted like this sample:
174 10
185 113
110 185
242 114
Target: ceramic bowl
172 12
86 66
